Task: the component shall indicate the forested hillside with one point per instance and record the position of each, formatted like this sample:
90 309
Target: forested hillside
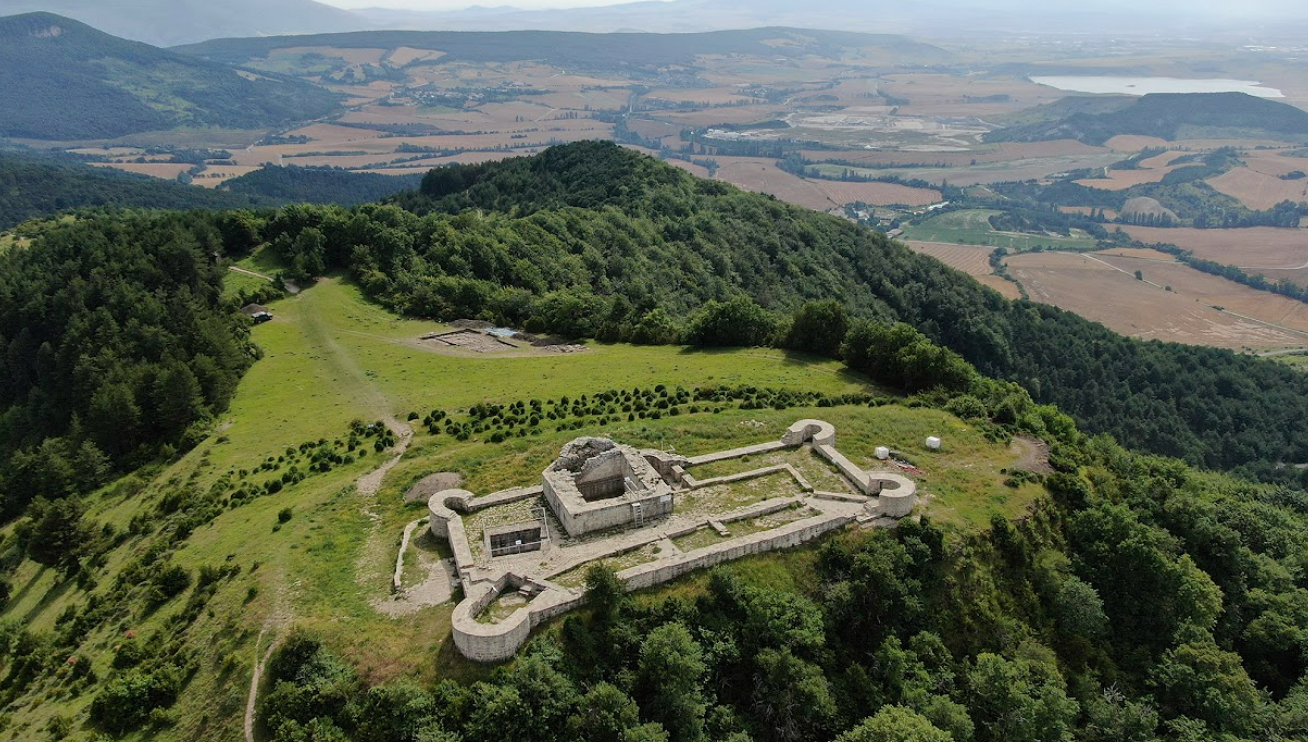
319 185
63 80
594 240
114 343
1163 115
33 186
633 52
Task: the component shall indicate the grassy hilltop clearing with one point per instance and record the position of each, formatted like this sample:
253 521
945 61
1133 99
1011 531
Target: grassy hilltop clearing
201 505
331 358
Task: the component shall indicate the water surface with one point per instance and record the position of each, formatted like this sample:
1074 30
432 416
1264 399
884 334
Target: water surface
1146 85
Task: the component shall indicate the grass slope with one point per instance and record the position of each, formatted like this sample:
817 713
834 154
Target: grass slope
331 357
75 82
972 227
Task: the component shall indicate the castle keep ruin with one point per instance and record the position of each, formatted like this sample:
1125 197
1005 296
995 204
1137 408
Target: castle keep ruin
596 485
604 501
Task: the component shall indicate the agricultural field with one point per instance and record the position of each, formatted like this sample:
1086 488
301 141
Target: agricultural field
1259 190
1173 302
763 176
1276 253
407 109
972 227
982 172
973 260
1150 170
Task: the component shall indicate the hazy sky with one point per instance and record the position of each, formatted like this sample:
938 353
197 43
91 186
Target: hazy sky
1208 8
460 4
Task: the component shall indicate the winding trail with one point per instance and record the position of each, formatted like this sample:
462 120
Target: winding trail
366 394
245 272
256 679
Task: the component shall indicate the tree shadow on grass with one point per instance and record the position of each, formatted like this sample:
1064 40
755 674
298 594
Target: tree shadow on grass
58 590
788 357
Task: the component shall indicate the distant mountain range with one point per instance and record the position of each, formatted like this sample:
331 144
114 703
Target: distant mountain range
176 22
1095 120
172 22
633 51
927 18
63 80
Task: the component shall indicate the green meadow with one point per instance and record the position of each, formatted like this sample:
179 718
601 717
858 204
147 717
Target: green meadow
972 227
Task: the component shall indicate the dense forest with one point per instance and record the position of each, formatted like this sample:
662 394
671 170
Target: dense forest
115 347
319 185
63 80
1138 601
34 186
591 240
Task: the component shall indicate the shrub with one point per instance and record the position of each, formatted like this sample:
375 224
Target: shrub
128 699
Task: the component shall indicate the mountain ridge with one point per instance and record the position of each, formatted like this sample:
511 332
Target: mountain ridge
79 83
649 50
1163 115
172 22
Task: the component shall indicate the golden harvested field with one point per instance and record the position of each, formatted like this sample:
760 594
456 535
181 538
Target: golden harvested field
216 175
1279 253
876 194
989 153
730 94
1142 253
406 55
653 129
598 100
1097 289
973 260
165 170
333 133
1259 190
938 94
1151 170
1217 291
763 176
1134 142
729 115
1086 210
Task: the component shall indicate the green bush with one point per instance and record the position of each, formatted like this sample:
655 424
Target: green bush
128 699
